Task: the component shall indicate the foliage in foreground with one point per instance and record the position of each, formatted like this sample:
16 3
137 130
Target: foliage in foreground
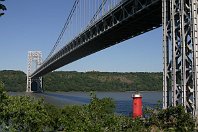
171 119
24 114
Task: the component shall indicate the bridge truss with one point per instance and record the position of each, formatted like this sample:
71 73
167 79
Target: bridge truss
180 48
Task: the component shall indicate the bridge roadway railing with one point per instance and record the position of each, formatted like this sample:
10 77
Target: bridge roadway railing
128 19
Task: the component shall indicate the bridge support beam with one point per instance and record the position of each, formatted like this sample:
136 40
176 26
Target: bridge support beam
34 84
180 49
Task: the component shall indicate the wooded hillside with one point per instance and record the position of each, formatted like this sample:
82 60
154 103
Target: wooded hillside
86 81
13 80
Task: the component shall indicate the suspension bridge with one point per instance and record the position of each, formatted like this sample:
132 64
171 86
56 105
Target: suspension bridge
93 25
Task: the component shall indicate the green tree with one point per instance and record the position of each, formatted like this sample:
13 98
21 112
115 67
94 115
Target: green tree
2 8
97 116
3 94
24 114
171 119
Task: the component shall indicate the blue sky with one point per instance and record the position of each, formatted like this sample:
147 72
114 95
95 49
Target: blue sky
35 25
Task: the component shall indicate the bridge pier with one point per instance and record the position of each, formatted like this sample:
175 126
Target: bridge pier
180 49
34 84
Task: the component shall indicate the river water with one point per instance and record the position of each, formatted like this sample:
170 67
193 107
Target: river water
122 100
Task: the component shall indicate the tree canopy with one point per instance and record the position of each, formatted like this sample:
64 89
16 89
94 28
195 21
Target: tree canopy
2 8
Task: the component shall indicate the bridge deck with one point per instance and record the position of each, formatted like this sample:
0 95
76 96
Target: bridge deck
124 22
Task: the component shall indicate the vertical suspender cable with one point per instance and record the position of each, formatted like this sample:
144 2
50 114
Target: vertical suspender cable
64 28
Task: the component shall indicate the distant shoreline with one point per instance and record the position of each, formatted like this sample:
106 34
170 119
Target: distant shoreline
87 81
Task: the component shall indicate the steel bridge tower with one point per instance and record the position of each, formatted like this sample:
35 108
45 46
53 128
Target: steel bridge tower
34 61
180 50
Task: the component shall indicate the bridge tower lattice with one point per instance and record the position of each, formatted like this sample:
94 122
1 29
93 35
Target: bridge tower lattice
34 61
180 49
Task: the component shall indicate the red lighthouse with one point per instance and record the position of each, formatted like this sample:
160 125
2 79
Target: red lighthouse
137 105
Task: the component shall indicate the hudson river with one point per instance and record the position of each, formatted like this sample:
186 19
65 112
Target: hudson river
122 100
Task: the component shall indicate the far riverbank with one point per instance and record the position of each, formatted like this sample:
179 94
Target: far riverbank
87 81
